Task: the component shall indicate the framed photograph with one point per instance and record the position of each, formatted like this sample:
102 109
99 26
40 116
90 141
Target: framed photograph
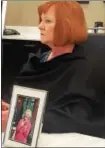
25 117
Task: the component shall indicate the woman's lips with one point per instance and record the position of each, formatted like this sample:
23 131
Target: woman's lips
42 34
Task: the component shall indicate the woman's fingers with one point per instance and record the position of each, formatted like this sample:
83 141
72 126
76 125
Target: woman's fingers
4 113
4 119
4 104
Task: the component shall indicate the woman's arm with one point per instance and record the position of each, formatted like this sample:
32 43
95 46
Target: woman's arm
27 129
20 125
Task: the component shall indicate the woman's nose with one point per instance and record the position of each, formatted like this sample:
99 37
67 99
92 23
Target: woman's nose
41 26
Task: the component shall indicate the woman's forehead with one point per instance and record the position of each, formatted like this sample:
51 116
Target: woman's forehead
49 13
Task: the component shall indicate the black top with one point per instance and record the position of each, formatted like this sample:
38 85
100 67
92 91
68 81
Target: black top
76 100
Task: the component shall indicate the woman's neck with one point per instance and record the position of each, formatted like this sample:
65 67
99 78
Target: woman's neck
59 50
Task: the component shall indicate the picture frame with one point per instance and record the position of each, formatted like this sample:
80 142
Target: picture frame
25 119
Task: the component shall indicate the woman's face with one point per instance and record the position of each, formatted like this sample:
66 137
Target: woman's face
27 116
47 26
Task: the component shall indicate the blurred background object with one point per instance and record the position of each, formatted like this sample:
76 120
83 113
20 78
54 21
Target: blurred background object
24 13
99 27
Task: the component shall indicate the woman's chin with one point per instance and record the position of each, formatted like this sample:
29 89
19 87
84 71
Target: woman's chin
44 42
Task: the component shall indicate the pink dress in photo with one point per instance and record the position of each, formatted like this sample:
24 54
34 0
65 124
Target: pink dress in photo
22 132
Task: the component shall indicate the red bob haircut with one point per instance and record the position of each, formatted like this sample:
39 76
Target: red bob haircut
70 26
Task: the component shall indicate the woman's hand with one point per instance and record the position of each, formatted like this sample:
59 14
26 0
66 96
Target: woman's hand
22 123
5 110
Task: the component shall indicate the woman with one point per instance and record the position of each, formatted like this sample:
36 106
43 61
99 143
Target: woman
75 104
23 127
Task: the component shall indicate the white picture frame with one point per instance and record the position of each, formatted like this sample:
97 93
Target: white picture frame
20 97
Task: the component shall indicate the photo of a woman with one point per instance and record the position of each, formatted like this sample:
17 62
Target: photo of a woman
24 127
24 119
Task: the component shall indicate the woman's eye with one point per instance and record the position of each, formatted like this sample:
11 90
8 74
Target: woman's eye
47 21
